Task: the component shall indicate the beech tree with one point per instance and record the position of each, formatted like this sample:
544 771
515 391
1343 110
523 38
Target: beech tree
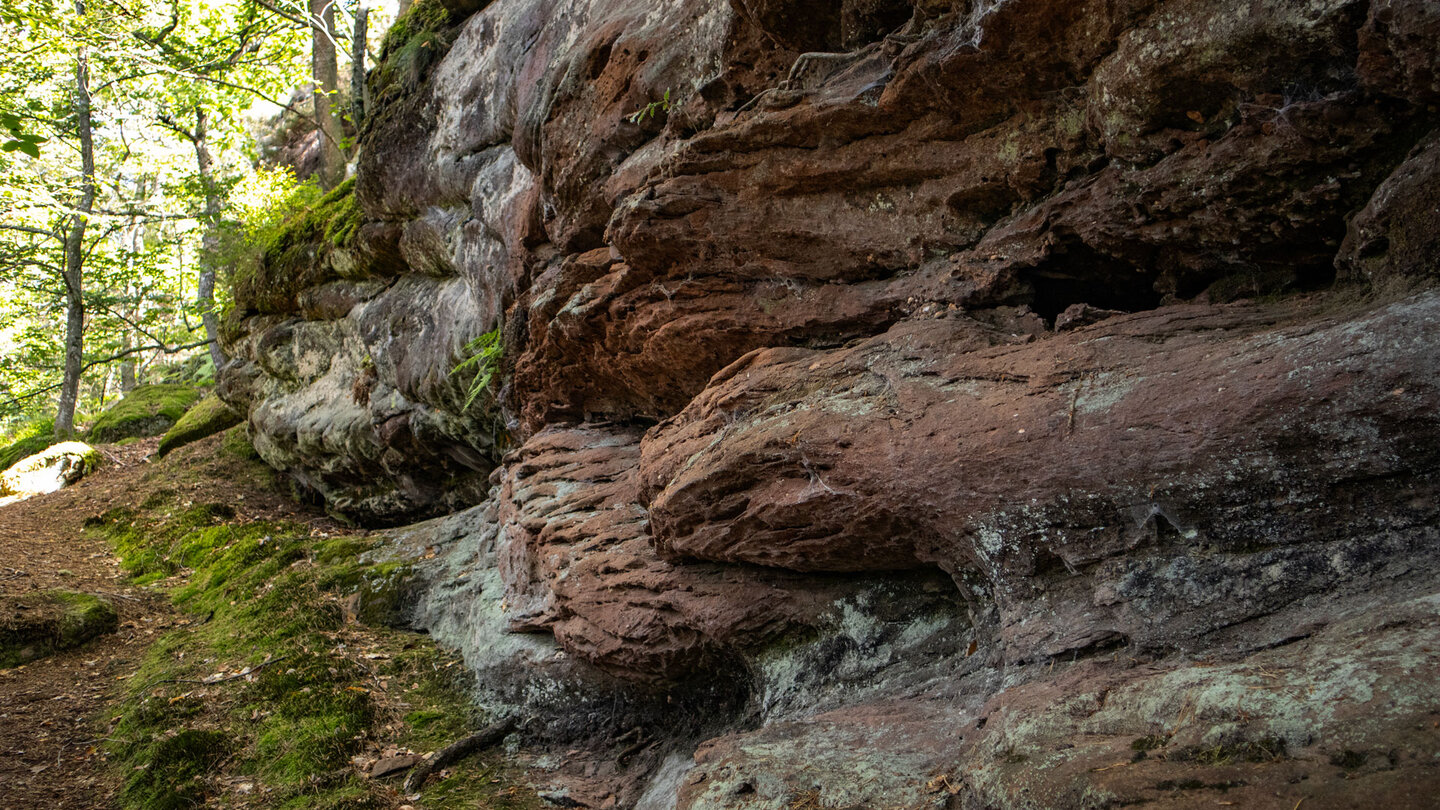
90 99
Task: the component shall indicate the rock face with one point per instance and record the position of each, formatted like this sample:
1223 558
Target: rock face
986 404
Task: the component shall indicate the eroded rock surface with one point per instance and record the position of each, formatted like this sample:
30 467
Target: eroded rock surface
985 404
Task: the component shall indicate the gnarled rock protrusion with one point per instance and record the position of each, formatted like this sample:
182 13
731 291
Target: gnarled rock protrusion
1148 462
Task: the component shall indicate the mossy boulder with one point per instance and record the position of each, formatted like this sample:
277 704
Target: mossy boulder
34 625
149 410
208 417
51 469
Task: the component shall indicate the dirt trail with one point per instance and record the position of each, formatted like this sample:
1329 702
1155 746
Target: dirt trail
49 743
53 712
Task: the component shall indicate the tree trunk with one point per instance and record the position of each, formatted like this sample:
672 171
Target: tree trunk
210 243
73 271
326 86
359 91
127 366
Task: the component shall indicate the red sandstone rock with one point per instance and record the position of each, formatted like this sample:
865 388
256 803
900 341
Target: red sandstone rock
906 287
577 561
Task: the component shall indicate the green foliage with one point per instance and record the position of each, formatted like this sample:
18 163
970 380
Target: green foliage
650 110
146 411
483 355
29 439
289 246
152 69
20 140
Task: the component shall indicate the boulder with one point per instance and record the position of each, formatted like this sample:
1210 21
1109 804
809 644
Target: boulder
38 624
50 470
206 418
148 410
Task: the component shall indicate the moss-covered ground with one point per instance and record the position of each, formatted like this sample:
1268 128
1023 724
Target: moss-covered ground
274 693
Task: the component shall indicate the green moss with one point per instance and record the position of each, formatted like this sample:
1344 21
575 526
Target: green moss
38 624
237 444
415 43
297 254
175 766
148 410
208 417
85 617
37 473
272 668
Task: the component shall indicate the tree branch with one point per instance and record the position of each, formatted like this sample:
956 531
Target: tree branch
160 347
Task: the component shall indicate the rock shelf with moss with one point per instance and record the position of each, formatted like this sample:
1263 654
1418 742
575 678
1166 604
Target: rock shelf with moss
35 625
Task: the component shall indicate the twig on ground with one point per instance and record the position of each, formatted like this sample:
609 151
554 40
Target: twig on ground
237 676
456 751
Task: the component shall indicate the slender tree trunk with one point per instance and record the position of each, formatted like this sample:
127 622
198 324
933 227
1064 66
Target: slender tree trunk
127 366
210 242
327 85
359 92
75 250
132 294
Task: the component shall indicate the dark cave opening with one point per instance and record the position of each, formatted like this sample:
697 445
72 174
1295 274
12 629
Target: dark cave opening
1078 274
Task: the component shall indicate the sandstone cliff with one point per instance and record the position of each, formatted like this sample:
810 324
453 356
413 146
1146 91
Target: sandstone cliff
943 403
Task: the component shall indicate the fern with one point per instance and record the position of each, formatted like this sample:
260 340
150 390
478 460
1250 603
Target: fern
483 355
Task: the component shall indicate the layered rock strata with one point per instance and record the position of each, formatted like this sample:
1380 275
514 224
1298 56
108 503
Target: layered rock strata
973 403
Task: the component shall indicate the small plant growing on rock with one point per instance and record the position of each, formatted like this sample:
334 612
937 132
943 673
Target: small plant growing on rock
482 354
649 110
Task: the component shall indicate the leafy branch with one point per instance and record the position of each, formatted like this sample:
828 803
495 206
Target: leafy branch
650 110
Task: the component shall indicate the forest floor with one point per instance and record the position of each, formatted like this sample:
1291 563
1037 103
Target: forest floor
52 710
101 726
